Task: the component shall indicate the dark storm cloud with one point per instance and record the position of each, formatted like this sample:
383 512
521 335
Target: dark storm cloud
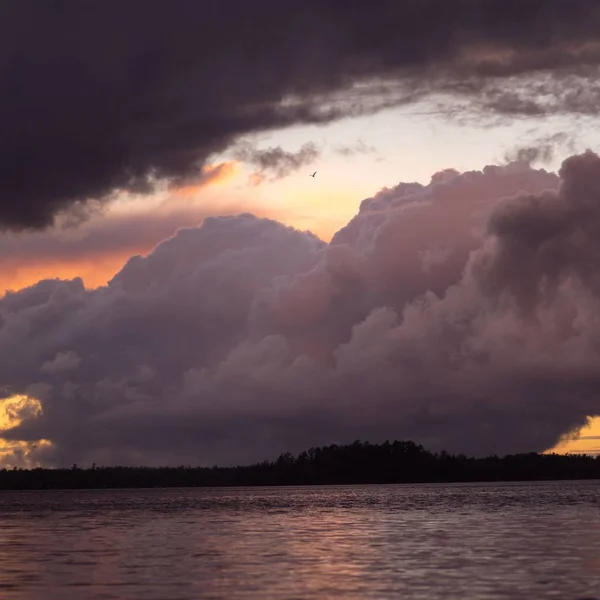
461 314
276 161
106 96
543 242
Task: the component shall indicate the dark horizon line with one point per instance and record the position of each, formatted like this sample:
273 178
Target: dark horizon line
350 464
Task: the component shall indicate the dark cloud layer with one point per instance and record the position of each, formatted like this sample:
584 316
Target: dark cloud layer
462 314
113 95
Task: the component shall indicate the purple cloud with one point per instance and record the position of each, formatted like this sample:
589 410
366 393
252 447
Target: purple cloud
461 314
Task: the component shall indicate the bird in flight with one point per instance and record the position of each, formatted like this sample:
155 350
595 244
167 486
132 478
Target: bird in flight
314 174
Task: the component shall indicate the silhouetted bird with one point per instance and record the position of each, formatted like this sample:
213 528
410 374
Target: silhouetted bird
314 174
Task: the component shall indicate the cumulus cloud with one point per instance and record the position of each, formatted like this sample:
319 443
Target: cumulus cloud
97 246
462 314
276 161
182 80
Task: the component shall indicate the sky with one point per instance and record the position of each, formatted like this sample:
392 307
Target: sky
177 289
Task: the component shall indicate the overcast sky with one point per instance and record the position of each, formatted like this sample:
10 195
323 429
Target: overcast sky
179 289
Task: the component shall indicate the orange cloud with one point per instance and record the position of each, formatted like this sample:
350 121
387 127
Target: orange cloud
586 441
19 453
99 247
95 271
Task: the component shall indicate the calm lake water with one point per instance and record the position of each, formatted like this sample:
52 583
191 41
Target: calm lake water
479 541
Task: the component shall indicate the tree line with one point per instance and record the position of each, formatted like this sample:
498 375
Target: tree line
357 463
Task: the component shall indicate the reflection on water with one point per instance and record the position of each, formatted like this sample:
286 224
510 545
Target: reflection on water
415 542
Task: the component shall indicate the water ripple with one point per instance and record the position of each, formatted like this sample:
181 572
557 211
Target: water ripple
481 541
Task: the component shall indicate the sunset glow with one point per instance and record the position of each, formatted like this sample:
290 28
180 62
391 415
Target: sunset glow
302 238
19 453
587 441
299 299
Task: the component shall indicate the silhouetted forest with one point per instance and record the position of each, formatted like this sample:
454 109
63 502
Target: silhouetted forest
397 462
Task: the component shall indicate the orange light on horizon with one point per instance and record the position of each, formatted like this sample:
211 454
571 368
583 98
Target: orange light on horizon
94 271
587 441
322 208
12 412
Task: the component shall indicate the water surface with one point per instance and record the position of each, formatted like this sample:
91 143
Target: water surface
480 541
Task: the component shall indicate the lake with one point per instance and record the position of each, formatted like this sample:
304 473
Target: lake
464 541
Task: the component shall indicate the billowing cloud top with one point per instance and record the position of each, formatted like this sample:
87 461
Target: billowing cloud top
462 314
111 95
